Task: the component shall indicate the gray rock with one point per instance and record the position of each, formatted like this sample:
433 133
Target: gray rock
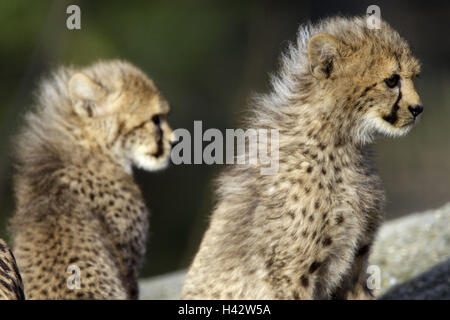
431 285
164 287
411 245
404 249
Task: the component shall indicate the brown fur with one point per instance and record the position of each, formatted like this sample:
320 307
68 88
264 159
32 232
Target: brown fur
306 231
77 203
11 286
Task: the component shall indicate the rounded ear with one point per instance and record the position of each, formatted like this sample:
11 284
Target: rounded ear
84 92
323 49
82 87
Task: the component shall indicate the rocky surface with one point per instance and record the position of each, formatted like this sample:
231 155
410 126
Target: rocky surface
404 254
410 245
433 284
164 287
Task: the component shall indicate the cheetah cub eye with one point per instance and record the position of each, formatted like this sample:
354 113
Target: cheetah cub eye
392 81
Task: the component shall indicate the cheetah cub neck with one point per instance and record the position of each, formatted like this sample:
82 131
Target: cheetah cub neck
78 208
305 232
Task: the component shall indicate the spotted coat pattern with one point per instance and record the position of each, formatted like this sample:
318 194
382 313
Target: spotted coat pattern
11 286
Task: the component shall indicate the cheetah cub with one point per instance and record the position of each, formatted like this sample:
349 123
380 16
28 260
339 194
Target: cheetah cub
80 227
11 287
306 231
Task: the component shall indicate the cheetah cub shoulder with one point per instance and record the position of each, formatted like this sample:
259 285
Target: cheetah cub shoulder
80 216
305 232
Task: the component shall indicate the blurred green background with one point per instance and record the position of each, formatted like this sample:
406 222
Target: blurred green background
208 57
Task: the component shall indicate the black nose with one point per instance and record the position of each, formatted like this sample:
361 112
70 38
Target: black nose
415 110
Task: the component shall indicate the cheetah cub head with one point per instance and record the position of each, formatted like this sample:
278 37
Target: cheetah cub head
369 74
122 109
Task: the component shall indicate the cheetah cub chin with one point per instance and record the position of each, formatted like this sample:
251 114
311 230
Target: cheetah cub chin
79 230
306 231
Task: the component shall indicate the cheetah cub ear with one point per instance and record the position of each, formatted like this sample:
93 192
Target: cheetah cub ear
85 94
323 51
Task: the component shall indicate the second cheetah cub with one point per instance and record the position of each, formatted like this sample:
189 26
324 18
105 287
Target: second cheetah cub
306 231
79 231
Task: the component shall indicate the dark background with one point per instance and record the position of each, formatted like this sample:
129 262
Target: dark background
208 57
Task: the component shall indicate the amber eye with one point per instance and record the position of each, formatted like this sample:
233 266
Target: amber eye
392 81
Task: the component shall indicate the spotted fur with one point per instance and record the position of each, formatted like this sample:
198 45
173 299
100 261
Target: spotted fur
77 203
11 287
306 231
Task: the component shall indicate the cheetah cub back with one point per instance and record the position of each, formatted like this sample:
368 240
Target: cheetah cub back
80 226
305 232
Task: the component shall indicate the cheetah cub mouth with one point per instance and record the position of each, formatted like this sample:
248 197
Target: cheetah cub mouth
124 111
